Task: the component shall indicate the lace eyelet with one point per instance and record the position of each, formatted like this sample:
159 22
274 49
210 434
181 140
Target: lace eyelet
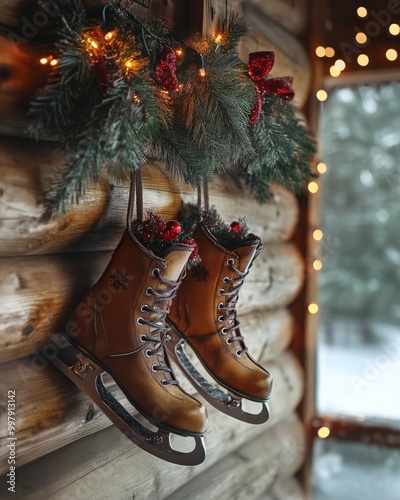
148 353
229 341
163 382
220 305
154 271
144 308
238 353
143 338
222 291
224 331
220 318
153 368
139 321
230 262
149 291
225 279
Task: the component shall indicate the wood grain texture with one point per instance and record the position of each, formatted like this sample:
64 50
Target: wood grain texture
210 14
250 469
19 78
274 221
274 279
284 488
290 14
12 11
25 224
28 169
52 412
291 58
38 293
267 333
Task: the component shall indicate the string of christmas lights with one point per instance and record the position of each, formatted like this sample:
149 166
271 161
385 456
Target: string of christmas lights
121 92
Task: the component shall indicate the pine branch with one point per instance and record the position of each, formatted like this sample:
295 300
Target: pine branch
283 150
234 28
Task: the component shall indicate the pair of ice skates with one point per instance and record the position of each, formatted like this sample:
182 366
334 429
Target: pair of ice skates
143 305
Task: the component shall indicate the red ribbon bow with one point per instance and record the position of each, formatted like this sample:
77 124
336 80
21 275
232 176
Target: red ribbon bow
165 70
260 65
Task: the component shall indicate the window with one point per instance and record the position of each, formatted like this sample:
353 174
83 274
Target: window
358 355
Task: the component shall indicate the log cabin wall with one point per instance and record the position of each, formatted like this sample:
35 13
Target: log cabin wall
66 446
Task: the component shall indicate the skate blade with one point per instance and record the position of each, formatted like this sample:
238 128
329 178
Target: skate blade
228 402
88 376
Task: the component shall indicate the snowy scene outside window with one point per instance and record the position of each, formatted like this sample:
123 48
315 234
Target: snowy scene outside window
358 360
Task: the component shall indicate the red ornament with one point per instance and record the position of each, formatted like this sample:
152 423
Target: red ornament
154 228
169 236
260 64
165 70
174 226
236 227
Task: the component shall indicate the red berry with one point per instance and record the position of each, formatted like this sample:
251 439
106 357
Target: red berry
174 226
236 227
146 234
145 226
159 222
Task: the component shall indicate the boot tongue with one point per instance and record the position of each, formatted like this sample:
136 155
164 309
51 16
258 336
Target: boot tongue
246 252
176 258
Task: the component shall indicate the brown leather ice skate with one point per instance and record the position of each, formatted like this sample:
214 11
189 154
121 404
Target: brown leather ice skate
120 328
203 316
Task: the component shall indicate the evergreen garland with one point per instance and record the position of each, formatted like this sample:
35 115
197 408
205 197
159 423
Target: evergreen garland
121 92
283 149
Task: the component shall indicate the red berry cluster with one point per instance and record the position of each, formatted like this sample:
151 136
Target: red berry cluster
156 228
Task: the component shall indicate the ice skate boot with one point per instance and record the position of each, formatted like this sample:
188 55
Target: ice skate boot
203 317
119 328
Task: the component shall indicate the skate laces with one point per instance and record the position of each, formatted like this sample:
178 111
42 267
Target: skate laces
230 306
159 330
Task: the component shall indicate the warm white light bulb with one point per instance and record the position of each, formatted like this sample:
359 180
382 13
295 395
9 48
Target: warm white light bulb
322 95
334 71
340 64
323 432
329 52
394 29
318 235
313 308
361 38
363 60
317 265
391 54
362 12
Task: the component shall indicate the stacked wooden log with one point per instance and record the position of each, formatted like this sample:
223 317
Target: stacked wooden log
66 446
